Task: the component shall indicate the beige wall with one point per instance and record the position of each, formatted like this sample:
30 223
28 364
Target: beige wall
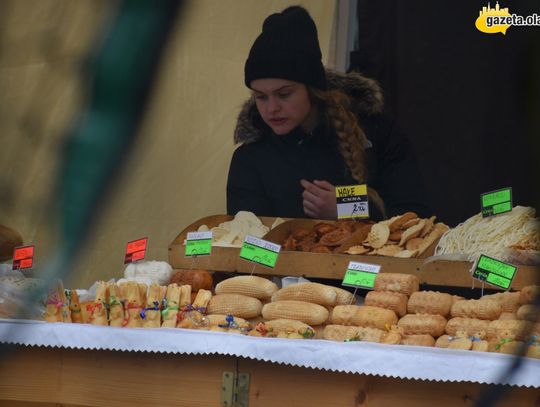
177 171
42 46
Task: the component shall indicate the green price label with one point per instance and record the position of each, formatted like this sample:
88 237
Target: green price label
494 272
199 244
496 202
499 281
260 251
361 275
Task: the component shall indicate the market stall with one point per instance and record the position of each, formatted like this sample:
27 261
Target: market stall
186 367
398 345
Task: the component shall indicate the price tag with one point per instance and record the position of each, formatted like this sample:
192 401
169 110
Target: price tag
23 257
361 275
494 272
352 201
496 202
260 251
136 250
199 243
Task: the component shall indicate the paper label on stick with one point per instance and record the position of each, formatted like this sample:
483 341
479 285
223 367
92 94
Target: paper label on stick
361 275
135 250
260 251
23 257
352 202
199 243
496 202
494 272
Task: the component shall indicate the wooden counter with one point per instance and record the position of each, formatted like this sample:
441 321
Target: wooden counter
333 266
330 266
64 377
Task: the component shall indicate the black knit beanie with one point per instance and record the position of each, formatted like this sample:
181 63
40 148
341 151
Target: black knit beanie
287 48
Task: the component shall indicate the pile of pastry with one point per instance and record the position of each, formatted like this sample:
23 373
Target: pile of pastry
396 312
131 302
324 237
295 311
405 235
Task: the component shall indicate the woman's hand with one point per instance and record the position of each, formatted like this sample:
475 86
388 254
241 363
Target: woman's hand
319 199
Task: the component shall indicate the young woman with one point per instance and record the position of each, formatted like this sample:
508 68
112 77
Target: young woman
306 130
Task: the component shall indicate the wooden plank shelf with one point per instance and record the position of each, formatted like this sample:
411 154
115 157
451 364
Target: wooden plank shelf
45 377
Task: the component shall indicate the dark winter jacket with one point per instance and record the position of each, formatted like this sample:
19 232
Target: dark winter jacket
265 171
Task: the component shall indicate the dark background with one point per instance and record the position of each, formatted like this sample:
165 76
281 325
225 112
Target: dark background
467 100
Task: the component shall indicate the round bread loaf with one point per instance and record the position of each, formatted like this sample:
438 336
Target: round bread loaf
197 279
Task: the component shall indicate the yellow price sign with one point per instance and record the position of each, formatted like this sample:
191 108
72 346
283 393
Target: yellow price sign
352 201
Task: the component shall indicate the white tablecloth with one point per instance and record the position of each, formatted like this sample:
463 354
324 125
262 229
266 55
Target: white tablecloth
399 361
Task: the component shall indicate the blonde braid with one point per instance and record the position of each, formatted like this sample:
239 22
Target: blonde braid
352 139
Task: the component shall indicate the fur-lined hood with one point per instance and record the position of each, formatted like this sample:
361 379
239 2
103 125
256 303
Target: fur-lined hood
366 95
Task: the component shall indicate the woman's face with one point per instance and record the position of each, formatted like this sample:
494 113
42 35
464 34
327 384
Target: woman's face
284 105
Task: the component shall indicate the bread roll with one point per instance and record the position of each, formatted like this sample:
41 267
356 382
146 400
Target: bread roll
529 312
528 293
151 313
344 297
86 311
481 309
366 316
397 282
307 312
508 329
116 309
237 305
347 333
252 286
289 326
430 302
75 307
471 326
213 320
197 279
508 315
309 292
170 311
185 296
201 300
456 298
419 324
511 348
396 302
98 315
509 301
393 336
462 343
443 341
418 340
480 346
